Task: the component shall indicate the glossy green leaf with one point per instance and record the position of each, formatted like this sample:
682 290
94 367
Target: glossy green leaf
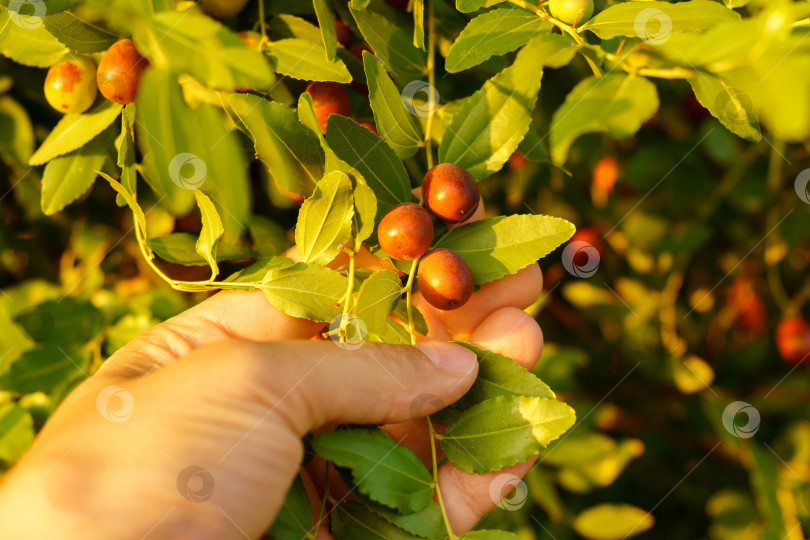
372 159
418 8
491 123
733 108
382 469
294 520
258 270
305 291
33 46
493 33
503 431
67 177
50 369
211 232
612 522
490 535
326 20
125 145
353 521
377 297
426 523
137 212
289 151
499 375
190 42
657 20
468 6
61 322
495 247
16 432
395 124
180 248
302 59
79 34
365 210
391 44
75 130
555 50
616 104
419 323
325 219
269 237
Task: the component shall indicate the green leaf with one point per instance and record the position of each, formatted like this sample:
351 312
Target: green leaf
372 159
733 108
533 148
75 130
302 59
125 144
555 50
387 472
50 369
616 104
190 42
490 535
61 322
495 247
326 20
427 522
365 210
16 432
468 6
394 123
33 46
289 151
491 123
80 35
258 270
612 522
353 521
269 237
16 133
211 232
419 323
377 297
138 216
418 8
294 520
494 33
499 375
185 149
180 248
503 431
649 19
325 219
305 291
359 4
392 45
67 177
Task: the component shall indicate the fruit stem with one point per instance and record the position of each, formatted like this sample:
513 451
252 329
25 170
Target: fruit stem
408 303
262 24
544 15
431 69
344 320
771 223
435 461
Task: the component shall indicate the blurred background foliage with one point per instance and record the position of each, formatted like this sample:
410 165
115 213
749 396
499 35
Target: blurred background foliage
703 247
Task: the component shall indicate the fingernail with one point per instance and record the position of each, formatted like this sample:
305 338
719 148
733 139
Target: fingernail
452 359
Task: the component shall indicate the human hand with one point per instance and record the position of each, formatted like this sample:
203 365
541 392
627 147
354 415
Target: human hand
194 428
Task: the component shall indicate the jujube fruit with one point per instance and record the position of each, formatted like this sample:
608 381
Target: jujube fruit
793 339
450 192
444 279
405 232
571 11
223 9
119 72
517 161
70 86
329 98
344 33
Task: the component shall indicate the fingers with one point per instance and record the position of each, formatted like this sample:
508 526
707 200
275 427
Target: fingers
311 383
518 290
511 332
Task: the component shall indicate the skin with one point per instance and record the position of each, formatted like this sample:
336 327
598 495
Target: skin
445 279
451 194
573 12
119 72
223 9
70 86
405 232
329 98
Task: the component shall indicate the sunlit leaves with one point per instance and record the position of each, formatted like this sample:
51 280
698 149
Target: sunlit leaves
211 232
302 59
377 297
67 177
294 520
612 522
325 219
30 46
304 290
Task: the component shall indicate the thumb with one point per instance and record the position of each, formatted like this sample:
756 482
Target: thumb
312 383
